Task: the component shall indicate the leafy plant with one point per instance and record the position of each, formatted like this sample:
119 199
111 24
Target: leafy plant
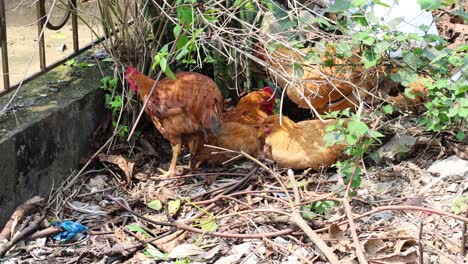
358 138
460 205
317 208
114 102
79 65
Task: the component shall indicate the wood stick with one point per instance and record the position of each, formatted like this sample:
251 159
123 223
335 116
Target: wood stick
20 212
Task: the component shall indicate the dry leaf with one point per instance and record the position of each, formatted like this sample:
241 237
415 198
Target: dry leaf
408 256
185 250
335 232
124 165
374 246
168 243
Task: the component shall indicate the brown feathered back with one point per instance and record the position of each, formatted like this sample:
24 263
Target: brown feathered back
184 109
251 108
299 145
196 95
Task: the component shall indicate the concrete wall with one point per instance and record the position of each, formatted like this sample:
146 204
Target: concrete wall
46 138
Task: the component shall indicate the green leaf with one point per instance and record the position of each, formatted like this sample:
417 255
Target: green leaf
164 50
332 138
455 61
299 184
339 6
429 4
388 109
462 47
208 224
152 252
168 72
185 14
359 3
306 213
182 54
155 205
357 127
378 2
369 58
351 139
117 102
173 206
381 47
322 21
415 36
138 229
404 76
156 60
298 71
344 49
163 64
322 207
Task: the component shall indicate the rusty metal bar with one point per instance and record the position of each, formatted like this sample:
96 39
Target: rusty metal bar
76 45
41 24
41 19
4 47
55 64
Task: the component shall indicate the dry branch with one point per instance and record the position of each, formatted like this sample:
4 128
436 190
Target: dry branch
20 212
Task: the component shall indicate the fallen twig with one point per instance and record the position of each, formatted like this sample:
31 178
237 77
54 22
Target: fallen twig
346 203
463 241
420 244
182 226
26 232
50 231
301 223
20 212
296 217
402 208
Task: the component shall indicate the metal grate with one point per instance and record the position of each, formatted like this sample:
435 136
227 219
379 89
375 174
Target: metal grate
41 23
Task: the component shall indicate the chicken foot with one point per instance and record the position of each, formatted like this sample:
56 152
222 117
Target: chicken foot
176 149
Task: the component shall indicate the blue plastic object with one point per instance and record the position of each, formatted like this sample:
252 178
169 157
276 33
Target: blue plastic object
70 229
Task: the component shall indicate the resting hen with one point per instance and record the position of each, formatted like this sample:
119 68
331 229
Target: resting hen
234 136
252 108
240 128
189 107
298 145
328 88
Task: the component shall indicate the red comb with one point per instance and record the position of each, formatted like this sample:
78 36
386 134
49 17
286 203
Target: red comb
268 90
130 71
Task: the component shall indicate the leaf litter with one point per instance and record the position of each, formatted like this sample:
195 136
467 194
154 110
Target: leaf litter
256 208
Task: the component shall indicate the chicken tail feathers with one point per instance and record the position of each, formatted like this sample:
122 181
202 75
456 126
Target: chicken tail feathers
216 125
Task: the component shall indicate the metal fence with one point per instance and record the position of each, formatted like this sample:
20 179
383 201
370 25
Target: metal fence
42 21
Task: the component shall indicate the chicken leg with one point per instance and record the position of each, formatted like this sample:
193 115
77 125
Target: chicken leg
176 148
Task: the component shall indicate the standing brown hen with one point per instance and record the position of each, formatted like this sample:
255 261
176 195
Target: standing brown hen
188 107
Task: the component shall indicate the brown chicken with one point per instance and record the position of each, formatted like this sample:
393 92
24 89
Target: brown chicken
252 108
417 90
298 145
325 88
234 136
189 107
240 128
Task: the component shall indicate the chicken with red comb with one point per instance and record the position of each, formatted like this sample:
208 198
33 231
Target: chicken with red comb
189 107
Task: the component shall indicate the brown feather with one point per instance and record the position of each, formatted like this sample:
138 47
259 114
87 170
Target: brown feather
188 107
299 145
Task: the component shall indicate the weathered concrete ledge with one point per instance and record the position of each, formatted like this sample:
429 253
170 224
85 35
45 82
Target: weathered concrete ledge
45 133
